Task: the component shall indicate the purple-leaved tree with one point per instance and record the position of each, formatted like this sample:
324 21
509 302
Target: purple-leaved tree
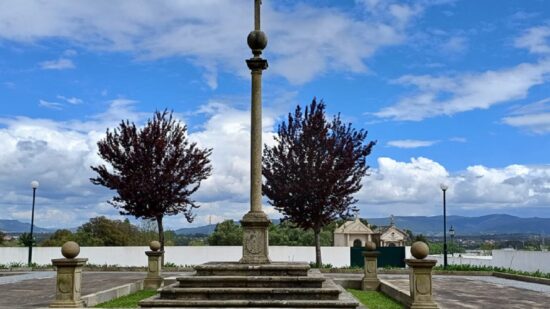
154 169
314 168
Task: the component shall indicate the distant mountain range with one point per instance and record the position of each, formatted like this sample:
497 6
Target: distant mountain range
205 229
433 226
14 226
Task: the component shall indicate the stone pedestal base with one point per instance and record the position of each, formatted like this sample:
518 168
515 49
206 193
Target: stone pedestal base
255 238
370 280
153 279
69 280
421 283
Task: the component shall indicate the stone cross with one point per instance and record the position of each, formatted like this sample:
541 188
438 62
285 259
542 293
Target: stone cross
255 222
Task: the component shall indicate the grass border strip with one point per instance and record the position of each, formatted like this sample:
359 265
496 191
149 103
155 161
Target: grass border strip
393 292
93 299
523 278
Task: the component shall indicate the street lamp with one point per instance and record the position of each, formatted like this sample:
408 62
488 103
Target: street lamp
452 233
444 188
34 185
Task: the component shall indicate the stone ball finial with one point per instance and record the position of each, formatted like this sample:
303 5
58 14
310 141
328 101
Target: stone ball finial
420 250
154 245
370 245
70 250
257 41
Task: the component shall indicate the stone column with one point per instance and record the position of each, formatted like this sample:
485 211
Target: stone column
370 279
255 222
153 279
420 277
69 277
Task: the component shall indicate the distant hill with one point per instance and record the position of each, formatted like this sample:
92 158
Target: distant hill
14 226
205 229
484 225
433 226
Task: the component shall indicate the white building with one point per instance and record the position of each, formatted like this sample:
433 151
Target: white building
354 234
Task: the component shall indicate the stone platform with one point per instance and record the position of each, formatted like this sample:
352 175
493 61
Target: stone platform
236 285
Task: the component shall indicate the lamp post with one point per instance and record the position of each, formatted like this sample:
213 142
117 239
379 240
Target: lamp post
452 233
444 188
34 185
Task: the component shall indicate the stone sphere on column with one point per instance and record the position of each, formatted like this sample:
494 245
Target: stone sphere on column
257 40
370 245
420 250
70 250
154 245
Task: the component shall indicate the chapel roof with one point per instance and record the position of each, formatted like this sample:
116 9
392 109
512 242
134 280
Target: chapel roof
353 227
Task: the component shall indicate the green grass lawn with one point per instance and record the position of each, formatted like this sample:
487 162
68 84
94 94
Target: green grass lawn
128 301
375 300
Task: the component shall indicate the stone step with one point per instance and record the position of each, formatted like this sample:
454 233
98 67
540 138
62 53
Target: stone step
155 301
251 281
224 293
238 269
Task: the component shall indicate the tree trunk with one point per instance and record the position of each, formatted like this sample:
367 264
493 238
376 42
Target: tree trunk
318 260
161 237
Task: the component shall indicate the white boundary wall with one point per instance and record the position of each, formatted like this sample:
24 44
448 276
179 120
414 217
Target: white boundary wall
517 260
522 260
464 260
179 255
190 255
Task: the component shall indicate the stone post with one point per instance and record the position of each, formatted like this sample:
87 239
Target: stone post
154 266
69 277
420 277
370 279
255 222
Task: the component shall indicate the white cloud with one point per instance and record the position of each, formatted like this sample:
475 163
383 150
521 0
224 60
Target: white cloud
212 34
412 188
399 13
410 143
536 40
537 123
534 117
448 95
227 131
413 182
50 105
70 100
59 155
455 45
59 64
70 53
458 139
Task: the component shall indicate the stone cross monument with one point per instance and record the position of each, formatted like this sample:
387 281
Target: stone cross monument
255 222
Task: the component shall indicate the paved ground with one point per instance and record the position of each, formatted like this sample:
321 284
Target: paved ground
476 291
37 289
482 292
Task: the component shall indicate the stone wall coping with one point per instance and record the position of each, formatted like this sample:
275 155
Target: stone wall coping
69 262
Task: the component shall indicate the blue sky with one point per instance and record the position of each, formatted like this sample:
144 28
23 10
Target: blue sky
453 91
